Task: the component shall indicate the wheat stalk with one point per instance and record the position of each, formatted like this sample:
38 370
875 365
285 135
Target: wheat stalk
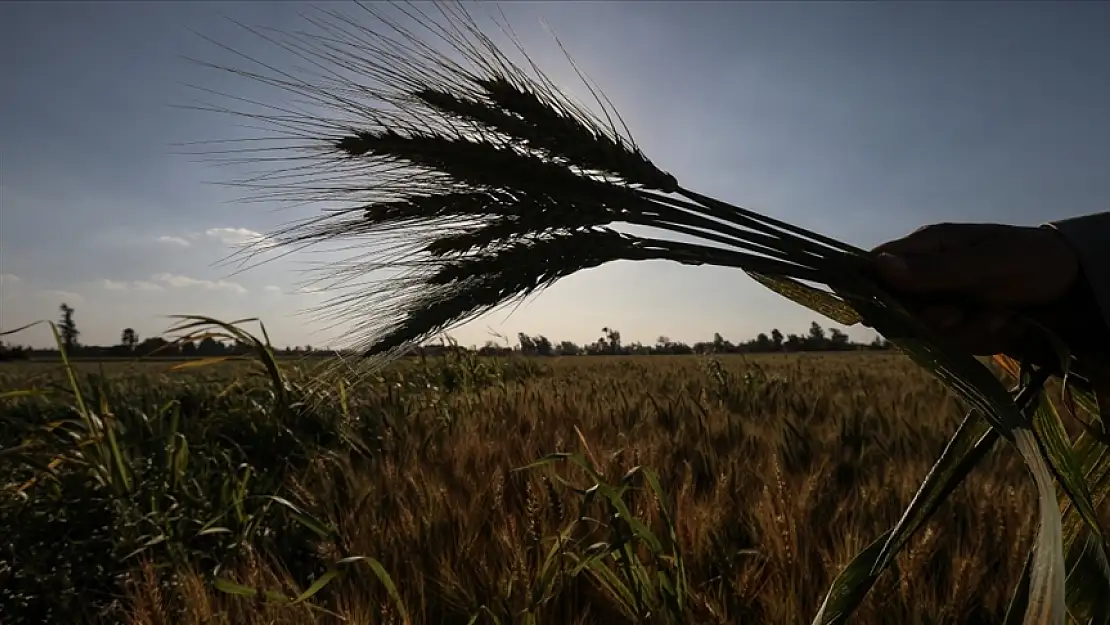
477 182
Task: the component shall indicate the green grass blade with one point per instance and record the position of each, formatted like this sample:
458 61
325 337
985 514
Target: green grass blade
1047 598
232 588
975 384
1019 602
613 585
967 447
300 516
317 586
964 450
1069 471
819 301
853 583
1088 579
385 579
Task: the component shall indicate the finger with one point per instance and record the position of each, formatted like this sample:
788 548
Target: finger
985 334
942 318
974 270
937 238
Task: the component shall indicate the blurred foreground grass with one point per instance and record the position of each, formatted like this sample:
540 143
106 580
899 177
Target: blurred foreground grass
222 494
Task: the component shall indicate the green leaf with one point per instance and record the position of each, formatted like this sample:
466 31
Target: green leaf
1019 602
976 385
386 581
302 517
229 587
201 362
1088 579
317 586
822 302
852 584
32 392
1058 449
962 453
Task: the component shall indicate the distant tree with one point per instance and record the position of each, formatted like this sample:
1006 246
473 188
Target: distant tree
13 352
154 346
67 327
568 348
678 347
816 338
720 345
210 347
763 343
543 345
527 345
189 349
613 339
793 343
880 343
838 340
776 339
129 338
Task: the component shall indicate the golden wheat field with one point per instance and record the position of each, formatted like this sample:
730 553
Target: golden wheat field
222 495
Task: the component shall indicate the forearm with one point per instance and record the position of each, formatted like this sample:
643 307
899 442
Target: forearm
1089 236
1083 317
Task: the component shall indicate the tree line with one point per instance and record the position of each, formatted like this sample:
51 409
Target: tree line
131 345
818 339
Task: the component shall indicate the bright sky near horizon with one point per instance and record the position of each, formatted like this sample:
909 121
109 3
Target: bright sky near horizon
862 121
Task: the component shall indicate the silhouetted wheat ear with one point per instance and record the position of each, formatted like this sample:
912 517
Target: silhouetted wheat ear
458 153
466 183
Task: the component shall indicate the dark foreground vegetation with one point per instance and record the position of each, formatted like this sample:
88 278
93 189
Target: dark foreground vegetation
694 489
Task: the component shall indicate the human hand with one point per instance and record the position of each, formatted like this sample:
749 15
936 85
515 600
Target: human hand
969 279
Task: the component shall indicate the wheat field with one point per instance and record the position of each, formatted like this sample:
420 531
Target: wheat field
220 494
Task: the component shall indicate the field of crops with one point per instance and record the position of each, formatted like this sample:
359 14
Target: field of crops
222 494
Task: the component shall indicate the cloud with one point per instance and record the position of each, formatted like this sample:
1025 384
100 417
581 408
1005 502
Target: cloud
178 241
236 236
272 289
184 282
136 285
67 297
9 279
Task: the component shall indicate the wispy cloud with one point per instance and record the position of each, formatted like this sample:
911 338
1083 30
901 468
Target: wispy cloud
236 236
135 285
171 240
272 289
9 279
184 282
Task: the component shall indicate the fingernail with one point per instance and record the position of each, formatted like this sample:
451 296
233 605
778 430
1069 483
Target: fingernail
893 266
